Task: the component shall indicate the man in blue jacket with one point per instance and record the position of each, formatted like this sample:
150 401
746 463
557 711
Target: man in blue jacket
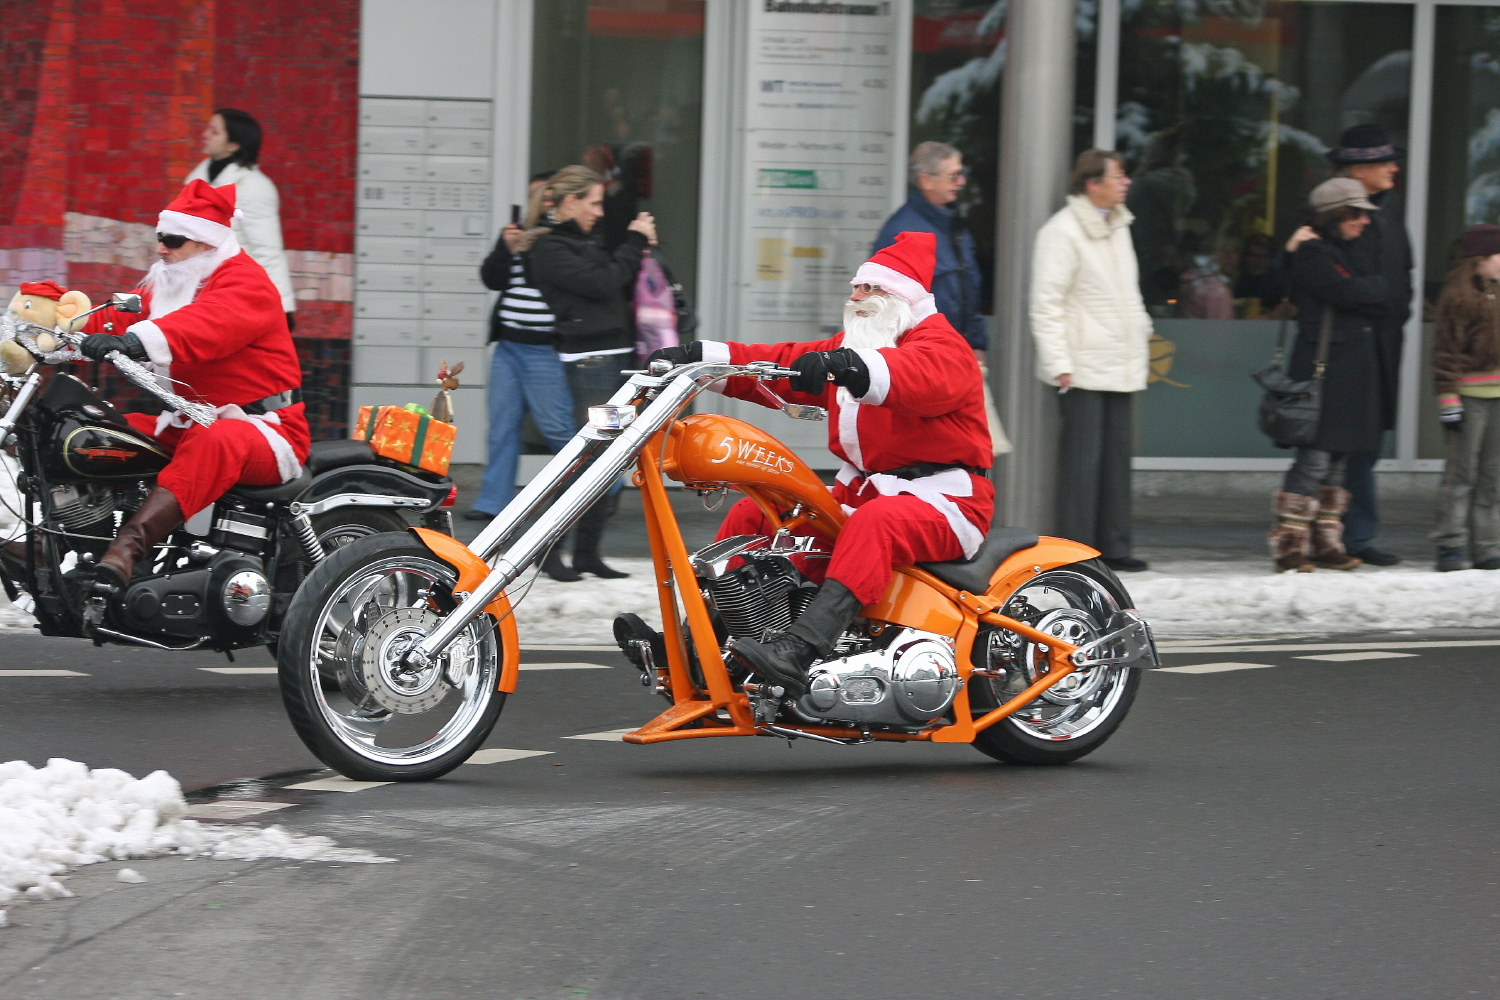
936 174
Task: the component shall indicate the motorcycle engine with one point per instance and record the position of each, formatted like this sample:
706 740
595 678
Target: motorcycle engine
79 505
764 595
230 597
907 684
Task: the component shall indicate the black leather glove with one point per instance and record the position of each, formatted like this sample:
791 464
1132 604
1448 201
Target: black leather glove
690 353
97 346
841 367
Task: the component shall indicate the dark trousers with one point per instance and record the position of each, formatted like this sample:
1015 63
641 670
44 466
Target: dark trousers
1362 519
592 381
1093 470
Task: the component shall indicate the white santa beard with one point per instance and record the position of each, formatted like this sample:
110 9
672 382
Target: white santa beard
885 319
174 285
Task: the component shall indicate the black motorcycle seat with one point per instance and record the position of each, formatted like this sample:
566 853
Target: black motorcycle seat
973 575
327 455
271 494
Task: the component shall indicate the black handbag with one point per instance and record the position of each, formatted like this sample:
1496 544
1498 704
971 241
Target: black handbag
1290 409
687 319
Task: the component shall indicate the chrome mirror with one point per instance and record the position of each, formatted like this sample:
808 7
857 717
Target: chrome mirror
125 302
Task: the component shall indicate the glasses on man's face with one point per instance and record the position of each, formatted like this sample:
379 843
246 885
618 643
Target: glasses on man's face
867 288
170 240
952 175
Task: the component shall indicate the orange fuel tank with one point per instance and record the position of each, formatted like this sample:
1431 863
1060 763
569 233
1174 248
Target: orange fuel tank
709 449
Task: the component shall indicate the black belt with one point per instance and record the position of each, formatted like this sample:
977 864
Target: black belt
271 404
921 470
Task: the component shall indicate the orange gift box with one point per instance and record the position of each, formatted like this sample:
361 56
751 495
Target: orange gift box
406 437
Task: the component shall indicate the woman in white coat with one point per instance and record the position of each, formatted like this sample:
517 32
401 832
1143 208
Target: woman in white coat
1092 333
231 141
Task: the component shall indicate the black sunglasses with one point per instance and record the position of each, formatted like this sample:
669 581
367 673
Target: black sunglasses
170 241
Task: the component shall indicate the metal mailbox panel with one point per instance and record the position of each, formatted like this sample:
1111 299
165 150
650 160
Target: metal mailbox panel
379 111
454 142
389 364
391 139
391 167
457 253
389 250
389 222
456 169
452 225
388 277
387 305
450 306
459 114
386 332
436 278
439 333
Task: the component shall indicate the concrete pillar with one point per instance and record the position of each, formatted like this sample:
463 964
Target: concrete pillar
1036 154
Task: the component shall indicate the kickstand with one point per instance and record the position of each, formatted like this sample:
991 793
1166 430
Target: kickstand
230 654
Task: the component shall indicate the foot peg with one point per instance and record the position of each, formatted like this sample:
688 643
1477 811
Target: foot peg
642 645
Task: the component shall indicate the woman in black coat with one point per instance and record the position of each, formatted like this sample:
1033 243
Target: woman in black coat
1328 283
590 291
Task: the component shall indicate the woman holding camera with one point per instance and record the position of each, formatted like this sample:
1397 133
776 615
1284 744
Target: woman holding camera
590 291
1335 298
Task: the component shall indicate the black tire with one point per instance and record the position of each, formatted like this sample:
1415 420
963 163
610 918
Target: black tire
1015 742
342 525
329 724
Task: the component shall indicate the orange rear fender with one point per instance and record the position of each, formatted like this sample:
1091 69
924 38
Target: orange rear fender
1047 553
471 572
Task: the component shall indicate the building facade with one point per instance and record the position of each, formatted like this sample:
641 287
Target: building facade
769 140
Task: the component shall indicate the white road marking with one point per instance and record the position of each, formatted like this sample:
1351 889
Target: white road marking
1374 654
1328 647
338 784
498 756
609 736
233 809
1213 668
41 673
564 666
239 670
553 647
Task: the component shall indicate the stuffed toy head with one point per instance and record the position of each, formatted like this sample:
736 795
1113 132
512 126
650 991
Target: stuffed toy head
48 305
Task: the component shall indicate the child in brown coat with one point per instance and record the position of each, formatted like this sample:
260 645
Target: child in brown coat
1466 368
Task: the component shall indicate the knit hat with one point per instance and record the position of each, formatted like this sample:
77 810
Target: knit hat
201 212
1365 143
43 289
905 269
1479 241
1340 192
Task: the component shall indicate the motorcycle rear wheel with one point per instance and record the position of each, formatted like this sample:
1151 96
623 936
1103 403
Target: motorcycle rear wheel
1076 717
353 616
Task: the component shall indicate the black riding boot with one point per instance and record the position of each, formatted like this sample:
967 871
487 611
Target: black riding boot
586 535
558 570
784 659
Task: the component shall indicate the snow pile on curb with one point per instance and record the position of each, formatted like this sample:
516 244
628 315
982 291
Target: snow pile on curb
65 815
1192 600
584 612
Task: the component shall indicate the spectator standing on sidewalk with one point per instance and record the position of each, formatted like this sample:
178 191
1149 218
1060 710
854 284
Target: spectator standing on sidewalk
525 373
935 173
1365 154
1330 281
1466 366
231 141
590 291
1092 330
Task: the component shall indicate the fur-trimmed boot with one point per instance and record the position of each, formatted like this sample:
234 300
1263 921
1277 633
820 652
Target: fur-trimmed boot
1291 531
1328 530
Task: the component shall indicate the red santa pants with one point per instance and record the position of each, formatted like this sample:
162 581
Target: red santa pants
885 532
206 461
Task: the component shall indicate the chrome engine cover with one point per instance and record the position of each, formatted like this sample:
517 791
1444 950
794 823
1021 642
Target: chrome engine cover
909 683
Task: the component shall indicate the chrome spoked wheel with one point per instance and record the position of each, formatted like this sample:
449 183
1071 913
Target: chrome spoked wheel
355 618
1082 710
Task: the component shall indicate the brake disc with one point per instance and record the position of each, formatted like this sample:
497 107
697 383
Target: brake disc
395 686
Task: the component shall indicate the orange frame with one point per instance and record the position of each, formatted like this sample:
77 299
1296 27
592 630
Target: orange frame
916 598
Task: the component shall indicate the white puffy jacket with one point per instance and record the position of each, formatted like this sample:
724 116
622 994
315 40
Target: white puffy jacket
1087 314
259 232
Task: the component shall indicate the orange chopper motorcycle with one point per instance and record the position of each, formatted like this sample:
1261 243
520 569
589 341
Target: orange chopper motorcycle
399 649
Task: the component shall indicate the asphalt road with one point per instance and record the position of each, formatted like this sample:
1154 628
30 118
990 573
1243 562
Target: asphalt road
1304 828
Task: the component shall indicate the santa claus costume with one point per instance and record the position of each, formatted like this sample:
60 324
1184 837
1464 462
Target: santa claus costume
215 323
906 415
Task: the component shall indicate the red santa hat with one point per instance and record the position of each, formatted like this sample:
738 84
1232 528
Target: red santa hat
43 289
201 212
905 269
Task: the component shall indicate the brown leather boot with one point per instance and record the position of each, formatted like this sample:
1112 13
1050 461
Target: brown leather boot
1290 531
1328 530
150 524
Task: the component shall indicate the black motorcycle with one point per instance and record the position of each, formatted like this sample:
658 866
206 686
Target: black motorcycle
223 580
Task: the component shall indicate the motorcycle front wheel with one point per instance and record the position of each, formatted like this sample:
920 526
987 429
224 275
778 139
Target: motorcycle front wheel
1080 712
352 619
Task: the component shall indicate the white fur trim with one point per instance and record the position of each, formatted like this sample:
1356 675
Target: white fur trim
155 342
194 228
715 351
287 466
880 375
936 491
891 280
922 308
849 427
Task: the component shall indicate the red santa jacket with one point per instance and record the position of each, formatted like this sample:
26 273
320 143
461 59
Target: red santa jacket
231 343
925 404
